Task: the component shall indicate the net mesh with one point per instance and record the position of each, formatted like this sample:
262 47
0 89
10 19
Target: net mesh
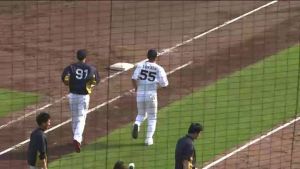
232 66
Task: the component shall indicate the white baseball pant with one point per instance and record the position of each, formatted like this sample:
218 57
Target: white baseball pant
147 108
79 105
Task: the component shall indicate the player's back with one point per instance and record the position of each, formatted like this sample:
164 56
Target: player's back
79 74
148 76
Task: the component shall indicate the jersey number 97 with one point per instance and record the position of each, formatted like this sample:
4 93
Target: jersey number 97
145 74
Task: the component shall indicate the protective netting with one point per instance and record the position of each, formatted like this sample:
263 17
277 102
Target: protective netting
232 66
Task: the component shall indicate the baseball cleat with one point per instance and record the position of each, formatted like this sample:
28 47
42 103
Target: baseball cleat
76 146
149 142
135 131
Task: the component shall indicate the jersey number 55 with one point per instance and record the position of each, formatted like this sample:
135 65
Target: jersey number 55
145 74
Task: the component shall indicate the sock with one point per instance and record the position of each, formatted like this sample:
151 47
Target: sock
151 128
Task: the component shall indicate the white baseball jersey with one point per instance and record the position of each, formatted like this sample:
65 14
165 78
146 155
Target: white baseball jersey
149 75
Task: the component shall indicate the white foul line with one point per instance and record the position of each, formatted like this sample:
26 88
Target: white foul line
161 53
251 143
32 112
89 111
218 27
50 104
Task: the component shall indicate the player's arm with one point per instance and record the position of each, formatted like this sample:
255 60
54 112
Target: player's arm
134 84
135 77
42 152
94 78
97 77
162 78
65 77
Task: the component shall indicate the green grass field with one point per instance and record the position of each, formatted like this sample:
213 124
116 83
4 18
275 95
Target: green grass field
11 101
233 110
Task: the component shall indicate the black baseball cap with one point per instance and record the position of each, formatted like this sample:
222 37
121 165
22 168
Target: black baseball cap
195 128
152 54
81 54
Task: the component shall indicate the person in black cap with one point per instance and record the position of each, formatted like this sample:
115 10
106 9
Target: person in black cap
185 153
37 154
80 78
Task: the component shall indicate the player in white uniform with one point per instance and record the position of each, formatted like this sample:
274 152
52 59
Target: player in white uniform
146 79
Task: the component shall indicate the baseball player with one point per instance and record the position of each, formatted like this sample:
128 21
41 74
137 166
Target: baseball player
81 78
146 79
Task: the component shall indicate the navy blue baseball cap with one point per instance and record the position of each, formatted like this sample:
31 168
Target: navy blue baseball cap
81 54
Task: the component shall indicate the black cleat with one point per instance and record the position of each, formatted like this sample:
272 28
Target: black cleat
135 131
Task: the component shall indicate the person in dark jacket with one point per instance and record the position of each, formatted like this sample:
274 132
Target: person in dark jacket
38 148
185 153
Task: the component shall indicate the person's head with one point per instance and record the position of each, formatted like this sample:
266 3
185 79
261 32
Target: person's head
152 55
195 129
81 55
120 165
43 120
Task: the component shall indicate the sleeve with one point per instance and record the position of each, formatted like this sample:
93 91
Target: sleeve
65 77
136 73
188 151
162 78
41 146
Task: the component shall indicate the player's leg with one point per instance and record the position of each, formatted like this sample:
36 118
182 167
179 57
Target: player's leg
73 104
82 113
141 116
151 108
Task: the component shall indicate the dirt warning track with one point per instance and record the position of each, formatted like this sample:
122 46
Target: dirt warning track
45 36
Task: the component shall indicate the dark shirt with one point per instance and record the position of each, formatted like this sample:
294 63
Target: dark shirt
185 150
81 77
37 149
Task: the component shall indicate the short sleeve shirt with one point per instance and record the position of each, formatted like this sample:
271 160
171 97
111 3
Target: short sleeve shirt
148 76
79 75
184 151
37 149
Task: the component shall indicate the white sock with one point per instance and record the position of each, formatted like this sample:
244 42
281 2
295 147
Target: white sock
151 128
